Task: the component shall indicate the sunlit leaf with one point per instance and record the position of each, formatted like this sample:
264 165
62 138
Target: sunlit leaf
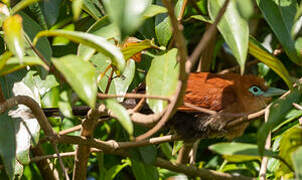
154 10
120 113
126 14
96 42
76 8
92 8
162 79
103 28
13 64
258 51
4 58
13 35
80 75
132 48
280 15
233 28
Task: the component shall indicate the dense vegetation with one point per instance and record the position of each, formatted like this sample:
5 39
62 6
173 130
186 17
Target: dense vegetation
126 63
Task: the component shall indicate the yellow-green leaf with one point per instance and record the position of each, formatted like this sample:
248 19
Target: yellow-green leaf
13 35
98 43
76 8
259 52
81 76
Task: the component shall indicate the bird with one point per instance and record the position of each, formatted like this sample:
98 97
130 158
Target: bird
227 94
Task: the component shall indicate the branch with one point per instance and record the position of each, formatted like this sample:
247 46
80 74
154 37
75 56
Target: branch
83 151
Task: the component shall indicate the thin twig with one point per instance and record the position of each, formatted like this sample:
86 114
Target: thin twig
200 109
139 105
297 106
262 173
132 95
109 82
37 52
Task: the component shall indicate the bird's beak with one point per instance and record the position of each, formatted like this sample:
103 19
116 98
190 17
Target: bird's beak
273 92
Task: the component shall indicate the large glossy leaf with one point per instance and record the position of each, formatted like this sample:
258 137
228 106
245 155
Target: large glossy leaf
13 64
280 15
297 160
7 143
258 51
238 152
121 113
80 75
154 10
13 35
96 42
278 110
162 79
31 28
126 14
103 28
233 28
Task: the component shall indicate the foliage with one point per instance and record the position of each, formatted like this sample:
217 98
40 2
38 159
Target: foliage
75 54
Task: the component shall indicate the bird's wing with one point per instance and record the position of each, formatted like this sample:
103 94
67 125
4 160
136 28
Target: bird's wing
213 93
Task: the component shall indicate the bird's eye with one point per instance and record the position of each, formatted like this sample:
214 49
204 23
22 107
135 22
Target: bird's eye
255 90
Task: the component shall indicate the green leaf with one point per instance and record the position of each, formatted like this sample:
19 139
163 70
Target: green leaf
148 154
297 161
239 152
92 8
119 85
163 30
80 75
103 28
278 110
201 18
76 8
50 10
113 171
13 64
21 5
154 10
280 15
7 143
144 171
233 28
51 98
135 48
291 140
121 113
4 58
13 35
31 28
126 14
259 52
65 105
96 42
162 79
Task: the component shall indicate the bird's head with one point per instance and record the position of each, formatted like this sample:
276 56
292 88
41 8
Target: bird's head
253 92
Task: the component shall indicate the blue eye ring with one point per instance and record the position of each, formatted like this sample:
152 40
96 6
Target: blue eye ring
255 90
